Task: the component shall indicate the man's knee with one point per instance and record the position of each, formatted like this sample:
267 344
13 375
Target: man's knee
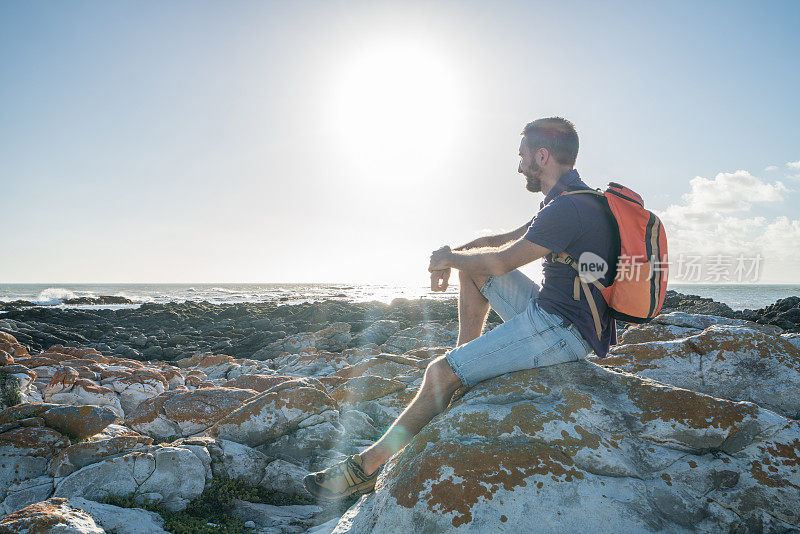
477 279
440 375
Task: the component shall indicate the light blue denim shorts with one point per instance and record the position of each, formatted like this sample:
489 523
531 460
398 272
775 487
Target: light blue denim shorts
529 336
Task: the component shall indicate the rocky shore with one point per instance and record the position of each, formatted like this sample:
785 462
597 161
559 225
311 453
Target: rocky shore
195 417
260 331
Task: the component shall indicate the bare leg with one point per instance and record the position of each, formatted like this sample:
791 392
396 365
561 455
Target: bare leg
473 308
434 394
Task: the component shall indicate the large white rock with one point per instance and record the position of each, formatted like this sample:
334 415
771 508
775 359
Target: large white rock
234 460
66 387
732 362
272 414
172 476
267 515
183 413
423 335
53 516
81 516
120 520
577 448
21 493
134 385
283 476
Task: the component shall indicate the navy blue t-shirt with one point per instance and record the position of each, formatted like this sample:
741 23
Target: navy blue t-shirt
577 224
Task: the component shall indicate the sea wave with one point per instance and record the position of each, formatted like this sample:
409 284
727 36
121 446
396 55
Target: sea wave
135 297
54 295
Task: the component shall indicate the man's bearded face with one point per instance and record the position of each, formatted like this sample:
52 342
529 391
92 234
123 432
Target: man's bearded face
529 168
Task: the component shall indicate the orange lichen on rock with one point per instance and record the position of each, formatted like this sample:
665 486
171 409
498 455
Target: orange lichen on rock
135 376
385 365
33 441
262 383
9 344
77 352
6 358
641 356
644 333
272 414
23 411
695 410
519 383
52 515
37 361
84 453
63 377
210 360
201 407
779 459
723 341
79 422
451 476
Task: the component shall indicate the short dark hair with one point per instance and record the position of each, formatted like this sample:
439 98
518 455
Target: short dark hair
557 135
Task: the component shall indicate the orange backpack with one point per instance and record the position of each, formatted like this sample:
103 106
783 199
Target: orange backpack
639 284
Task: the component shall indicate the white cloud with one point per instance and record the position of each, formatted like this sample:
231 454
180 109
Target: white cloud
794 165
711 221
727 192
771 168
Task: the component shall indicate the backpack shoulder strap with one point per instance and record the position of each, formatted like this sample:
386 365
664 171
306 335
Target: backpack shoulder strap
597 192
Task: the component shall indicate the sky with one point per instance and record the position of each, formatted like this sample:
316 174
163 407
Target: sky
343 141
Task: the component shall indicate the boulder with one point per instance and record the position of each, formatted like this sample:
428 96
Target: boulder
171 476
420 336
84 453
81 516
284 476
732 362
25 452
303 445
6 358
272 414
215 365
120 520
66 387
334 337
794 339
22 493
378 332
261 383
268 515
134 385
578 447
696 304
200 446
50 516
386 365
10 345
317 364
365 388
182 413
17 385
79 422
234 460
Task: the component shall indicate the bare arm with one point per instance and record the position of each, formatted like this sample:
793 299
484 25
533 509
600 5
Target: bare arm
493 241
488 261
440 277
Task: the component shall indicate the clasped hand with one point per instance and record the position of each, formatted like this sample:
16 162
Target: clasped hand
439 268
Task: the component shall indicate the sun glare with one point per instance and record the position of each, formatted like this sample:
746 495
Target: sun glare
397 108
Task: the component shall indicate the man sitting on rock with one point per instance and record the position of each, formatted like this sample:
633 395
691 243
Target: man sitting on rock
543 325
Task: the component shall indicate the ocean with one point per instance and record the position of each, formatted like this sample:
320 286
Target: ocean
737 296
